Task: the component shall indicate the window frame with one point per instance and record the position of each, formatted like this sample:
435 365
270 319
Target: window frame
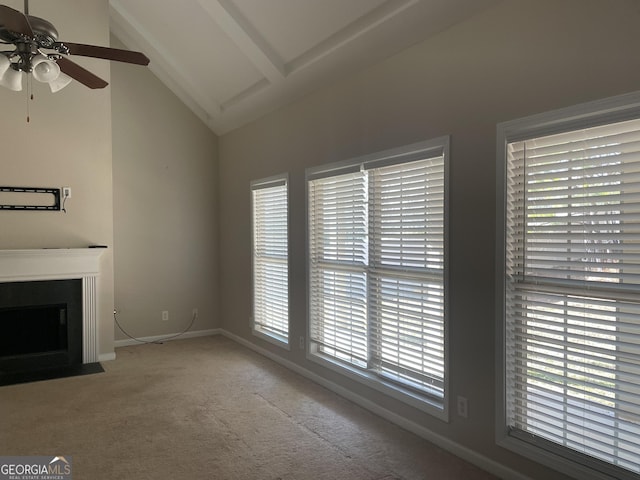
609 110
269 336
438 408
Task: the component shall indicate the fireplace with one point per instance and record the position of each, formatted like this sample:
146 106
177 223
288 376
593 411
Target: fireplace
48 309
40 325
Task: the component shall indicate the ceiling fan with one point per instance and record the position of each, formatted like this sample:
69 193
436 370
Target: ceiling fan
38 52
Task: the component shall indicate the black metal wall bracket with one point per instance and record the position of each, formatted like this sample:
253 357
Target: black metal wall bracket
17 198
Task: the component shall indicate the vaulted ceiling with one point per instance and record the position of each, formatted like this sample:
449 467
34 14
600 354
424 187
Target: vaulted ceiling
232 61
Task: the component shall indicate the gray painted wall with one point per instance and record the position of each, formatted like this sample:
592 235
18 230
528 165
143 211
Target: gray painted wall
520 58
165 208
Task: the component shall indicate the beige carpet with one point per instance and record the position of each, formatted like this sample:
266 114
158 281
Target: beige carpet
208 408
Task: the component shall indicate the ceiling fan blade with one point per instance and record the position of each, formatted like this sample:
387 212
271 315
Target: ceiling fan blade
106 53
80 74
14 21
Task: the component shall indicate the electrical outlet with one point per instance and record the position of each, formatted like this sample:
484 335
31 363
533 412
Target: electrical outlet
66 192
301 343
463 407
165 315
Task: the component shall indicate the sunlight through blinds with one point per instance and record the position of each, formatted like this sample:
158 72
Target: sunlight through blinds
573 291
407 272
377 255
270 259
339 254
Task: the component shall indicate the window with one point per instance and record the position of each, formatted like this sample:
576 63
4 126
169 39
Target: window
570 285
377 271
270 259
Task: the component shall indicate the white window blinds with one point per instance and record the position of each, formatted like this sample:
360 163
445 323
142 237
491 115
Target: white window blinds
338 248
270 258
572 293
376 247
407 272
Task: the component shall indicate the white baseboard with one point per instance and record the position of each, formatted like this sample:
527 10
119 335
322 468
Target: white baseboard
461 451
166 338
107 357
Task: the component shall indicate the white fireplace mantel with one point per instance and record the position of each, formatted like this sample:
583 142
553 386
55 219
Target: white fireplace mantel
49 264
61 264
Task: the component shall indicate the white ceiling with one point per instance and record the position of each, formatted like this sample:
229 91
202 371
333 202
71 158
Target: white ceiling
232 61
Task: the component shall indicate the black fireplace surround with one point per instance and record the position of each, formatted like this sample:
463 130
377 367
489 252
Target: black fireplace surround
40 326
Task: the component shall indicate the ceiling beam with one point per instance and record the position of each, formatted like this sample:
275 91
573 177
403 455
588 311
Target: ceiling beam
246 37
355 29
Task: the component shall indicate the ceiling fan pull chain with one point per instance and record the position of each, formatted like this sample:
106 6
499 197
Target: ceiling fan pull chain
29 97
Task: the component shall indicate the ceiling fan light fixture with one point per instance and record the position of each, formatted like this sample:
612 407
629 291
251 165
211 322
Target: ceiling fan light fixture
59 83
44 69
29 35
5 63
12 79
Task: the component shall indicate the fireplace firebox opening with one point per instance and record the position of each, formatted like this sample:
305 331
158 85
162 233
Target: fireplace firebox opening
40 325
